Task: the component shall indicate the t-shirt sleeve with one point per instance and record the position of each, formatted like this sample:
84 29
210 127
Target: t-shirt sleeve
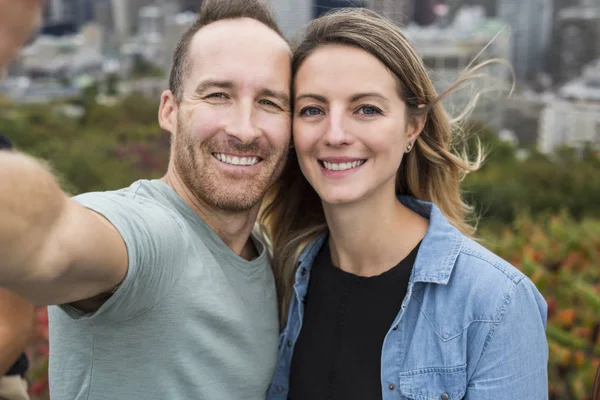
156 241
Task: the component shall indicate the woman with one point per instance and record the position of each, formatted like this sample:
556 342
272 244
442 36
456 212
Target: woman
385 294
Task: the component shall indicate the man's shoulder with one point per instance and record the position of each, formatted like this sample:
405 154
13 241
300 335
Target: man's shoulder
141 196
141 190
141 208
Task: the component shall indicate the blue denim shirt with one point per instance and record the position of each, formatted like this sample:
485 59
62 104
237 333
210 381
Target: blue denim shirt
470 327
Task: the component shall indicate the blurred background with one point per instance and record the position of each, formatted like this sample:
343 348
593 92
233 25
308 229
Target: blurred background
83 94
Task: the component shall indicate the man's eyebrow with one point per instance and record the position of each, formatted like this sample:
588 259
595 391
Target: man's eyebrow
213 83
281 96
316 97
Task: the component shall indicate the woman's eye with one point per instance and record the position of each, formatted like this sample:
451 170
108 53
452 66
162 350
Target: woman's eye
369 110
310 111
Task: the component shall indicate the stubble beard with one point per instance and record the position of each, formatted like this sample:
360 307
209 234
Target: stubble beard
195 165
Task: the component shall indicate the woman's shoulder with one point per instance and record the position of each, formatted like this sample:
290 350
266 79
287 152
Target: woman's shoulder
474 258
480 288
489 282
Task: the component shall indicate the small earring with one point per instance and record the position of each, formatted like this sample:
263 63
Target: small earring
408 147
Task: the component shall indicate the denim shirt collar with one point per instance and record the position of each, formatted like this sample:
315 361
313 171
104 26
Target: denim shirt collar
436 257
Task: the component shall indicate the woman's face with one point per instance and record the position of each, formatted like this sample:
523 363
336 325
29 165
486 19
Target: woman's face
350 126
18 18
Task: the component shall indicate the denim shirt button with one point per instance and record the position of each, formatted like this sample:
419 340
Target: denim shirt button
303 271
395 328
290 343
303 299
280 389
392 386
444 396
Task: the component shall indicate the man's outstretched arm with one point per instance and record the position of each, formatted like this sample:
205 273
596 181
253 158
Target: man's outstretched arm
52 249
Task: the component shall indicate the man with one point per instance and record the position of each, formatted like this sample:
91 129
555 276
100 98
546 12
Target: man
16 324
163 291
17 21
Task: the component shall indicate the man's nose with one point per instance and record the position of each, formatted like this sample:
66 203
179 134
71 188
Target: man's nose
242 125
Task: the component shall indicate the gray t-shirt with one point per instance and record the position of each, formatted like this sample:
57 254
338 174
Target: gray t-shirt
191 320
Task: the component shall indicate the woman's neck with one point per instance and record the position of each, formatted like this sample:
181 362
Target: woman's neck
372 235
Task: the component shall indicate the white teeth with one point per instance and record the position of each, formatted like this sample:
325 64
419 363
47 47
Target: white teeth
234 160
342 166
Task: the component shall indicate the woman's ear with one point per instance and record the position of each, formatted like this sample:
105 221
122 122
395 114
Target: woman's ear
415 127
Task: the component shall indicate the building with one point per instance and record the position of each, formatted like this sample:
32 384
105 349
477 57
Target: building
190 5
531 27
125 16
578 40
103 15
292 15
321 7
522 113
399 11
55 11
423 12
174 28
448 51
151 21
77 12
65 57
24 90
490 6
572 118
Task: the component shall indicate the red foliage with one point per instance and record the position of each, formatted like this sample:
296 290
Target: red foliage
38 351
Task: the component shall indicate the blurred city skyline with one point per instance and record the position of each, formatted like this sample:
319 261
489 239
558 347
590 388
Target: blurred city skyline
552 45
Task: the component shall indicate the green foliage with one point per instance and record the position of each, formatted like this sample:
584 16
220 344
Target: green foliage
538 184
143 69
107 147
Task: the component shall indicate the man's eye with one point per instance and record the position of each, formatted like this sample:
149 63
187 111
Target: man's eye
217 96
268 103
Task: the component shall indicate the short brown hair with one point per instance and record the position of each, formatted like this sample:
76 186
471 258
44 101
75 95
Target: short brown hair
213 11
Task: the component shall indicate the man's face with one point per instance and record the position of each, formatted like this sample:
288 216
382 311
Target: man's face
233 124
18 18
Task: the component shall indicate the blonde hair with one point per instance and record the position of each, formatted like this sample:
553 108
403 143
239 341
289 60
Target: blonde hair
292 215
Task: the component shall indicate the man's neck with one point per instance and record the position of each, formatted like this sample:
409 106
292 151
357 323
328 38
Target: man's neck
234 228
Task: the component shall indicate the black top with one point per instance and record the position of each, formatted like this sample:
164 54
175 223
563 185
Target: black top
346 318
5 143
